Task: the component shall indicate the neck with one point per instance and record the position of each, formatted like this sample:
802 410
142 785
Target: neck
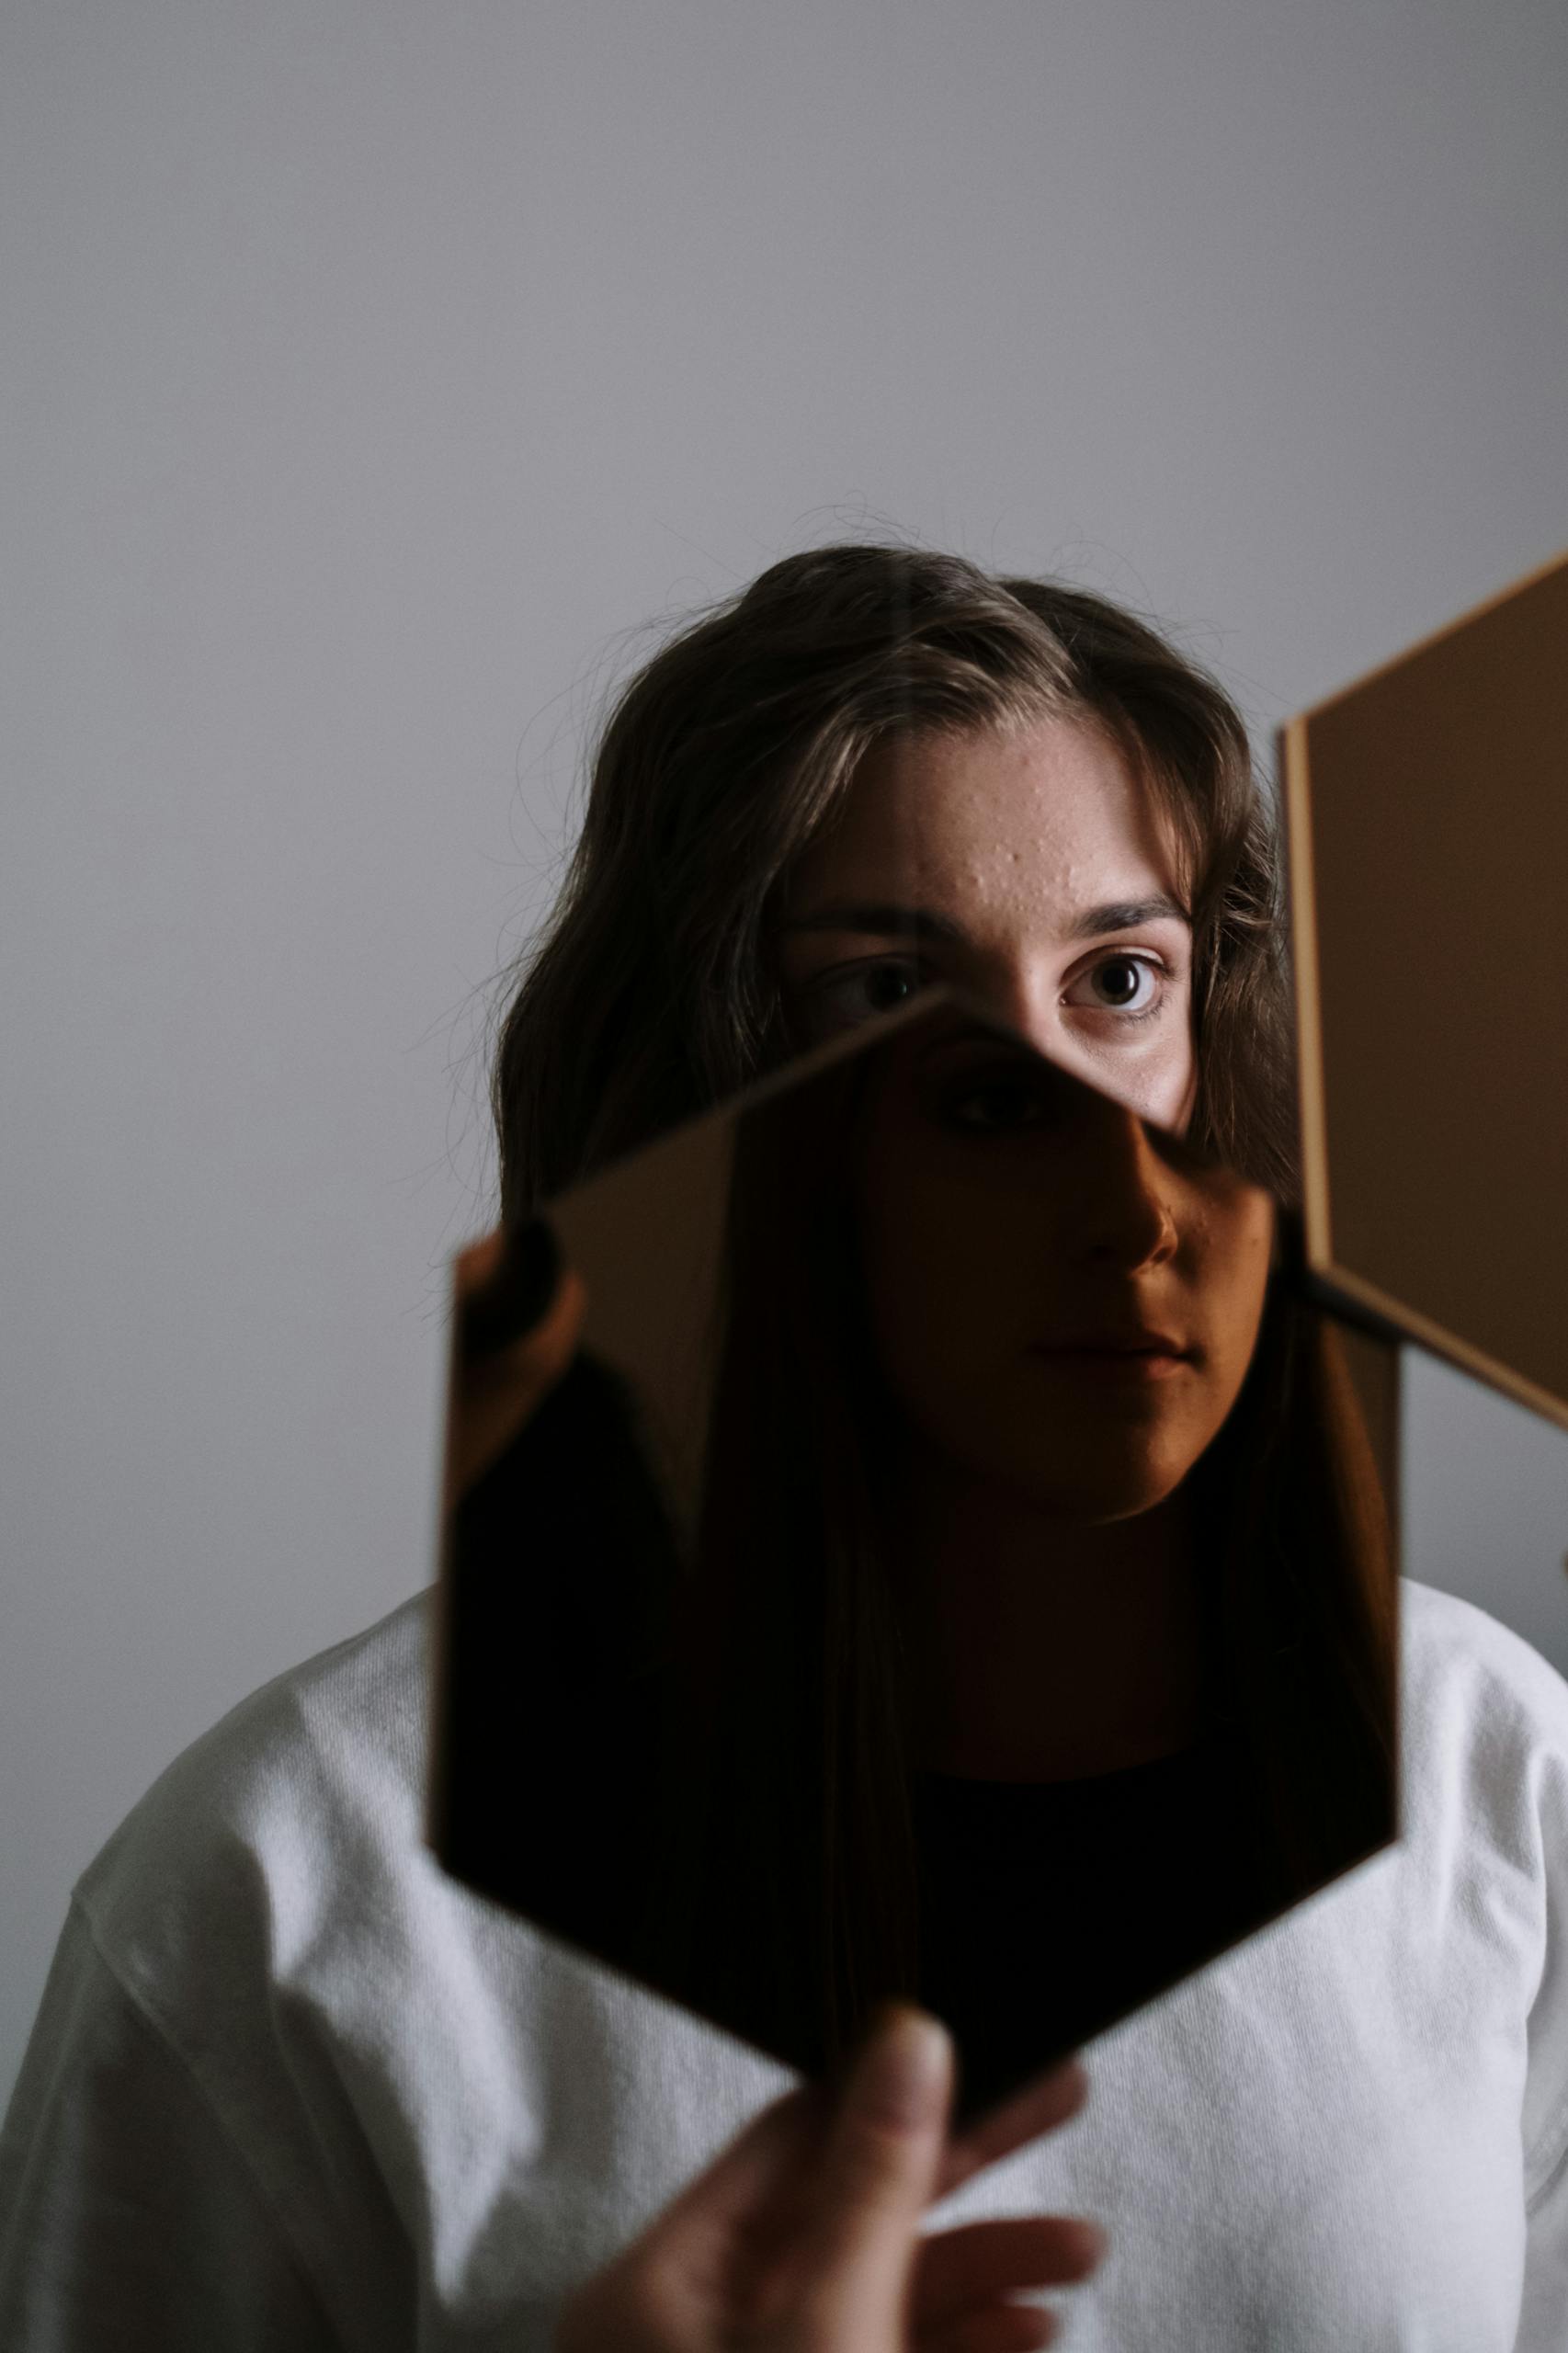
1044 1649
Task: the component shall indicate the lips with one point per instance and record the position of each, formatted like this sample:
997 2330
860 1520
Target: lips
1119 1356
1141 1342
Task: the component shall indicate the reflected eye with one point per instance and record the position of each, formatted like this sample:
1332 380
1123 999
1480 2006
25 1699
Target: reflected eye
996 1102
1002 1105
1123 982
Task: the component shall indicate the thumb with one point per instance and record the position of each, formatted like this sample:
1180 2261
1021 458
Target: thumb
876 2176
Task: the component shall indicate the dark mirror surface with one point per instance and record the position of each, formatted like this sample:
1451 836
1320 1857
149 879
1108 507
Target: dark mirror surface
1429 808
909 1533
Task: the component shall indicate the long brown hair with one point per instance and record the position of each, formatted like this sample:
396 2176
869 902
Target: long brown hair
653 994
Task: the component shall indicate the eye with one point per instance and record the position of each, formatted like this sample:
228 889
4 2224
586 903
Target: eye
1123 982
1002 1105
996 1102
856 993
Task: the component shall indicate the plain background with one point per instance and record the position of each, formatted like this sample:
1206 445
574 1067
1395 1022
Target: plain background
374 371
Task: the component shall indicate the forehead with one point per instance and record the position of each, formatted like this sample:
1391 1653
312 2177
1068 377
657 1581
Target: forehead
1049 815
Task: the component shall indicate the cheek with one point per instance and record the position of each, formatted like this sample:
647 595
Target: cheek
1172 1083
1184 1088
1240 1289
1159 1082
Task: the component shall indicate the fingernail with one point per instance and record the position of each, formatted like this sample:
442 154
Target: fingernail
1091 2245
904 2074
517 1294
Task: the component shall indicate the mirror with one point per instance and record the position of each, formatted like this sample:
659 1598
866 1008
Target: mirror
1429 836
746 1435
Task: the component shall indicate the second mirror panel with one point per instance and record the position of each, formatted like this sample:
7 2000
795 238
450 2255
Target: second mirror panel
1428 812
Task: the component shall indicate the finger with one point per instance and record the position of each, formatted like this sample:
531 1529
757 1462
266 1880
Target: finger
749 2173
981 2261
856 2249
999 2328
503 1284
884 2148
1040 2108
682 2267
494 1395
476 1263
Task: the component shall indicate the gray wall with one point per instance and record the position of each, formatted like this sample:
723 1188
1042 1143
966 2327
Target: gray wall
373 367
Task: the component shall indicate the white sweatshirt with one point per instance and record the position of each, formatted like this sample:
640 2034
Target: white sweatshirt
293 2090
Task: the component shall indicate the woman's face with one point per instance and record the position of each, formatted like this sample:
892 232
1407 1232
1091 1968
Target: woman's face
1062 1300
1028 867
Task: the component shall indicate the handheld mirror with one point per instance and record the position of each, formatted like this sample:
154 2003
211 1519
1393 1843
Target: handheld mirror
733 1428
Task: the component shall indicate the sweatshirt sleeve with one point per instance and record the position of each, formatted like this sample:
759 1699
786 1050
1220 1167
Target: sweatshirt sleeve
1543 2324
128 2216
1543 2319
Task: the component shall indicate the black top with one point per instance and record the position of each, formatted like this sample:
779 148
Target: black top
1048 1909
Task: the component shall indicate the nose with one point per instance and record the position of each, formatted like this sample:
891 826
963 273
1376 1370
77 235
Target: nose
1124 1209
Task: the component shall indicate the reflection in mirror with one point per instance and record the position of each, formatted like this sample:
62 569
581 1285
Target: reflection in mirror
916 1534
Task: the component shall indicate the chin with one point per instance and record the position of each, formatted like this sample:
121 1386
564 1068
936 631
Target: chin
1092 1485
1105 1463
1087 1502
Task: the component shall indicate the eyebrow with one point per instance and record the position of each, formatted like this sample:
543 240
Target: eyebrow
882 917
1128 915
885 919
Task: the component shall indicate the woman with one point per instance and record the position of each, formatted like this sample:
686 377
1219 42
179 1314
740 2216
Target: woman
370 2110
853 713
